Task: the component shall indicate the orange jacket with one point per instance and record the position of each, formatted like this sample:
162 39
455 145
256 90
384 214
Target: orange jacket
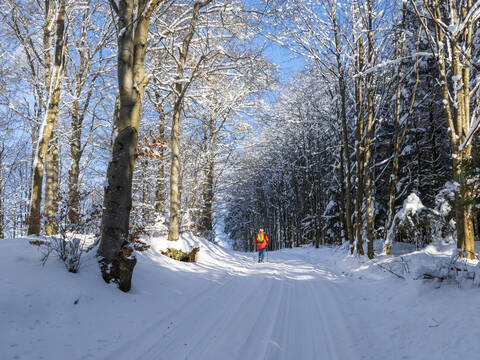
263 244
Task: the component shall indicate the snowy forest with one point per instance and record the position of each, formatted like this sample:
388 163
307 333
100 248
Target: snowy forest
339 126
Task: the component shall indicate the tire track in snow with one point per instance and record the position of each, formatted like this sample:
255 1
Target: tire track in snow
341 307
337 338
227 340
130 350
215 320
280 311
295 330
259 337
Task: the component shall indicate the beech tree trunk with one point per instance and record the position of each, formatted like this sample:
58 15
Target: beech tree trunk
76 149
206 222
52 161
174 223
52 186
160 197
180 89
74 171
208 198
51 117
117 260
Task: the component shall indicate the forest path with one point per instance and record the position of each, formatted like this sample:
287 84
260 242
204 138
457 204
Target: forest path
305 304
286 309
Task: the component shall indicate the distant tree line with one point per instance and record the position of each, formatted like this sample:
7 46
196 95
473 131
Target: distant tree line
387 106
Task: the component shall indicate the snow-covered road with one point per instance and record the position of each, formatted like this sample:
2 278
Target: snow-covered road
304 304
277 310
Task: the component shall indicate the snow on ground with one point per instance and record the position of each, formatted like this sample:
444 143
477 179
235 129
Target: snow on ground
304 304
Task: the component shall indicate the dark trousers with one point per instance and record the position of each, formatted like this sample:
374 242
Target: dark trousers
261 254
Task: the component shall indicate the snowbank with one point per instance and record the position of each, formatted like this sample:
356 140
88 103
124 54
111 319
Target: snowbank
49 313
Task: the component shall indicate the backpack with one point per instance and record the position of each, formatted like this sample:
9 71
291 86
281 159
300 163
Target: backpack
260 237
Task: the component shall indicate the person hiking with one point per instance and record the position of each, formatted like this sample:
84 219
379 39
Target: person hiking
261 240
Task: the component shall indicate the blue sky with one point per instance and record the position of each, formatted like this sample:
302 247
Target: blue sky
288 62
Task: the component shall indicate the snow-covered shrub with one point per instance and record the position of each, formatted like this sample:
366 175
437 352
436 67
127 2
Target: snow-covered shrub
332 227
69 244
399 266
445 206
158 228
416 223
456 270
68 250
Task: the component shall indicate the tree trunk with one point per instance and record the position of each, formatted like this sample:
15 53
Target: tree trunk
358 246
160 190
459 131
343 205
468 242
206 224
369 211
51 186
76 149
345 146
464 213
117 261
208 198
400 131
180 88
397 142
174 223
2 216
74 171
50 120
459 121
